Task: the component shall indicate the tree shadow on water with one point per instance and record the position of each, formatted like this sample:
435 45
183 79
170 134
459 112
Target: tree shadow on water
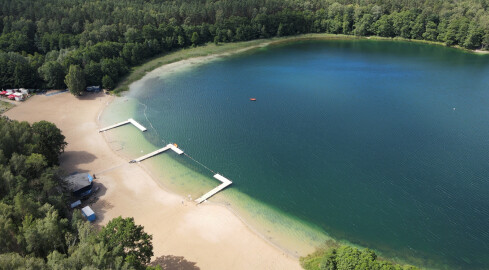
170 262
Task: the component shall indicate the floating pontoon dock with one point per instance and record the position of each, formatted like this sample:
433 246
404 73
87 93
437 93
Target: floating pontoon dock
129 121
159 151
225 182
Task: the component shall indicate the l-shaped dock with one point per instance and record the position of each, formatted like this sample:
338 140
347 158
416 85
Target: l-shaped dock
129 121
159 151
225 182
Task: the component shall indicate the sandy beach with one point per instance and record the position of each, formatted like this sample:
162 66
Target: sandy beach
185 236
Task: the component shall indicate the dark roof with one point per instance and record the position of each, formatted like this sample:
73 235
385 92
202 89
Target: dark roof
93 88
78 181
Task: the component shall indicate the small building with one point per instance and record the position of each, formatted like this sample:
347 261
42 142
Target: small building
80 184
88 213
75 204
93 88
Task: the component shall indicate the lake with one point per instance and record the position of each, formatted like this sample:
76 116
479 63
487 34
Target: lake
382 144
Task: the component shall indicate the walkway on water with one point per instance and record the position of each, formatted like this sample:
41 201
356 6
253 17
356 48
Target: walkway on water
159 151
130 120
225 182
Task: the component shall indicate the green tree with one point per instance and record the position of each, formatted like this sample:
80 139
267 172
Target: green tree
328 262
50 142
132 35
93 73
431 32
75 80
35 164
24 75
280 30
7 228
15 261
114 67
384 26
362 27
129 240
348 258
44 235
107 82
53 74
181 41
474 38
195 39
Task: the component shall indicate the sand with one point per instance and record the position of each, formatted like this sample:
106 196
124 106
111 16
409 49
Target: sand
208 236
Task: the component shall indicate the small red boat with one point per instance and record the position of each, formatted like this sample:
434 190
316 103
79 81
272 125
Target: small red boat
252 99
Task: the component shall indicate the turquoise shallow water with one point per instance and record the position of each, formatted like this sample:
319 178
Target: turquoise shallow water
382 144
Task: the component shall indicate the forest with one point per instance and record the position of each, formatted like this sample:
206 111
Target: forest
97 42
37 228
342 257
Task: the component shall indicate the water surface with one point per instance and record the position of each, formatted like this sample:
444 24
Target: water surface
382 144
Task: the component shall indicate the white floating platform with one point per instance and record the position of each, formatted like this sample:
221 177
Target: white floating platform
159 151
225 182
136 124
175 149
129 121
114 126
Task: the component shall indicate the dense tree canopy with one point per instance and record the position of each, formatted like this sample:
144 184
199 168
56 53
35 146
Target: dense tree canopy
75 80
349 258
37 230
51 143
128 240
106 37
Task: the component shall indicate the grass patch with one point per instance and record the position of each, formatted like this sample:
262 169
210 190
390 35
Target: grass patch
5 106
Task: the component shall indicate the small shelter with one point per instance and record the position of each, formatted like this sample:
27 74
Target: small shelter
80 184
88 213
75 204
93 88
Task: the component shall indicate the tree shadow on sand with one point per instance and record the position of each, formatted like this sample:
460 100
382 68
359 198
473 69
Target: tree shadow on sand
170 262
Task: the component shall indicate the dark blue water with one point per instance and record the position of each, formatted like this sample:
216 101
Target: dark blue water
383 144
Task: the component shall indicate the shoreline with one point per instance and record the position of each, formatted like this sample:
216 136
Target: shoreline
108 201
176 66
276 239
208 236
182 197
225 49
